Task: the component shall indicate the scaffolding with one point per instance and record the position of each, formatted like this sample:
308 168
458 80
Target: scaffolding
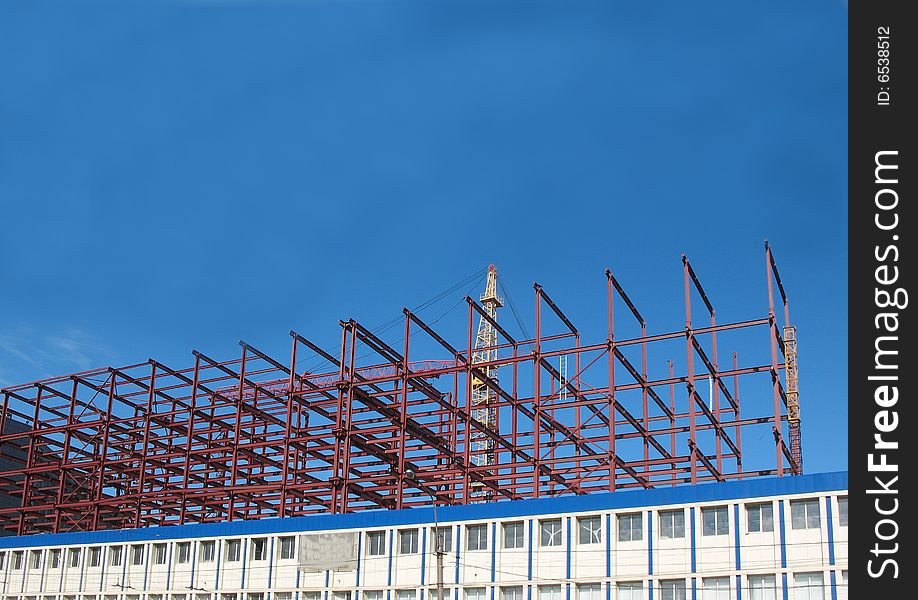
222 440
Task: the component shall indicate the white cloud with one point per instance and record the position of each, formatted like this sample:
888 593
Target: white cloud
27 355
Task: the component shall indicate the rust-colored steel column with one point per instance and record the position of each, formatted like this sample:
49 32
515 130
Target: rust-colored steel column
189 444
610 340
672 412
739 429
467 428
338 431
30 454
349 420
775 380
403 418
146 444
537 396
288 432
715 387
690 376
237 431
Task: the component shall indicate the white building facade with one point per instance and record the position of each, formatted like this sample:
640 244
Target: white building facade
757 539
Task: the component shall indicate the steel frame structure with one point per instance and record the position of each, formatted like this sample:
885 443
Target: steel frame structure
152 445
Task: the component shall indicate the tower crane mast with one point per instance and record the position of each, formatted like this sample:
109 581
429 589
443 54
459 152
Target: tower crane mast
484 398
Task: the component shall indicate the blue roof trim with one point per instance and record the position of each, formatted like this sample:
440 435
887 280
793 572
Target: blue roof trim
705 492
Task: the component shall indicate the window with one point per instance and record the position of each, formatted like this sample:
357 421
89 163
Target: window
630 528
289 596
408 541
672 524
376 543
16 561
178 597
2 559
435 595
287 547
255 596
54 559
233 550
630 590
549 592
716 588
444 537
550 532
805 513
843 511
672 589
762 587
404 594
159 554
715 521
114 556
808 586
590 530
312 595
476 538
183 552
74 555
150 597
34 559
208 551
227 596
136 555
259 549
511 593
513 535
95 556
372 595
589 591
477 593
760 518
208 597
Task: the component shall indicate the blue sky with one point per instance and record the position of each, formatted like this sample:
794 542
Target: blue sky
178 175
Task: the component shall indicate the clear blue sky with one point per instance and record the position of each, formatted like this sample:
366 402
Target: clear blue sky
178 175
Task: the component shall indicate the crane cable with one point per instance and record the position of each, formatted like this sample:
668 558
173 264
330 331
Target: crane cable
382 328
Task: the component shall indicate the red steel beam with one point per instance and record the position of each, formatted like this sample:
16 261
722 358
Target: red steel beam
256 436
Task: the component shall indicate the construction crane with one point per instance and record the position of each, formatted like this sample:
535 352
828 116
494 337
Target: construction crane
793 405
484 398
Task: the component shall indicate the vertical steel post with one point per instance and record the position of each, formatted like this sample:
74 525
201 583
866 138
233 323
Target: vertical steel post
141 485
189 430
610 340
403 418
537 396
288 432
349 421
739 429
775 381
693 456
237 431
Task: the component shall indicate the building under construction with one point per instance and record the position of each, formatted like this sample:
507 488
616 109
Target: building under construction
485 417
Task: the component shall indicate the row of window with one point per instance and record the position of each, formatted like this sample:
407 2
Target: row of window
137 553
805 514
807 586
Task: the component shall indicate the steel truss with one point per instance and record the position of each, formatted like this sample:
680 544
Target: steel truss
149 444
